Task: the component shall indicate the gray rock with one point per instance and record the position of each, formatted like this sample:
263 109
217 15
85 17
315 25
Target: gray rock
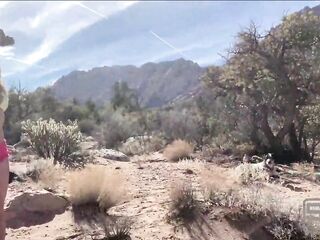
34 208
111 154
40 201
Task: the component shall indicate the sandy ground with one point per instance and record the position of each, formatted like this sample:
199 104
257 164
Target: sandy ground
149 180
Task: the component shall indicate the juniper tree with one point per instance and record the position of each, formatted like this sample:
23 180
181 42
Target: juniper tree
270 77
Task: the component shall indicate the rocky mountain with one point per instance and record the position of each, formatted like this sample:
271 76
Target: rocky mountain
156 83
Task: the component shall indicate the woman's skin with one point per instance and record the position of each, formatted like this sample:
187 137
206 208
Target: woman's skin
4 179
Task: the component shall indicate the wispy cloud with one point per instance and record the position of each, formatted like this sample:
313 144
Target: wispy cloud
72 22
168 44
104 11
99 14
50 22
92 10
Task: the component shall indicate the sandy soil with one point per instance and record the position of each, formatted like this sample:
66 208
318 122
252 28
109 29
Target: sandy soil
150 179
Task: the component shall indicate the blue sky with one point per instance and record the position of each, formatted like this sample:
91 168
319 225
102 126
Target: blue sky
55 38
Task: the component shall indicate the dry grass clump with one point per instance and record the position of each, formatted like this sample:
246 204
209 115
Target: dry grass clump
96 185
45 173
306 170
178 150
184 206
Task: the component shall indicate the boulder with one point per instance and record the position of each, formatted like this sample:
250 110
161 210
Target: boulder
40 201
111 154
34 208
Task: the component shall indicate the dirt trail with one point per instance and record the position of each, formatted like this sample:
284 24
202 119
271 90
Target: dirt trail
152 179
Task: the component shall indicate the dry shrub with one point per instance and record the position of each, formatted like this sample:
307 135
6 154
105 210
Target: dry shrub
178 150
244 148
219 187
51 177
303 168
184 206
247 173
284 220
96 185
45 173
284 228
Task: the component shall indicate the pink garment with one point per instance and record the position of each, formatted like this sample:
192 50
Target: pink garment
4 152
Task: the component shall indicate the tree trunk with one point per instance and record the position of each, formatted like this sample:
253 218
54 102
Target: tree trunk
282 153
294 143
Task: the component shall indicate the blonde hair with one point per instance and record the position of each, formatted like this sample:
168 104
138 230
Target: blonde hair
4 99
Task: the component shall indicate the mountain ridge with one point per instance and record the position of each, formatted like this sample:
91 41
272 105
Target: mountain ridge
156 83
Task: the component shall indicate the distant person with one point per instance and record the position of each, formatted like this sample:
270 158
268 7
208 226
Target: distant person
4 163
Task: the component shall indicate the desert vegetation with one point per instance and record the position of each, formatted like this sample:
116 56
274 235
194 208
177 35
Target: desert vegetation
264 99
177 150
94 185
184 204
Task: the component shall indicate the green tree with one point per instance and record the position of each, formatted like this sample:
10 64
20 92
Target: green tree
124 97
311 116
270 77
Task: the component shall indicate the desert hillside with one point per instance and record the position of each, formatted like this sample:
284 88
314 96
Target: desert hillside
156 83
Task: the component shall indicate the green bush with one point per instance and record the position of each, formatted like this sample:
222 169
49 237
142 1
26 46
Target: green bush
119 127
181 124
51 139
